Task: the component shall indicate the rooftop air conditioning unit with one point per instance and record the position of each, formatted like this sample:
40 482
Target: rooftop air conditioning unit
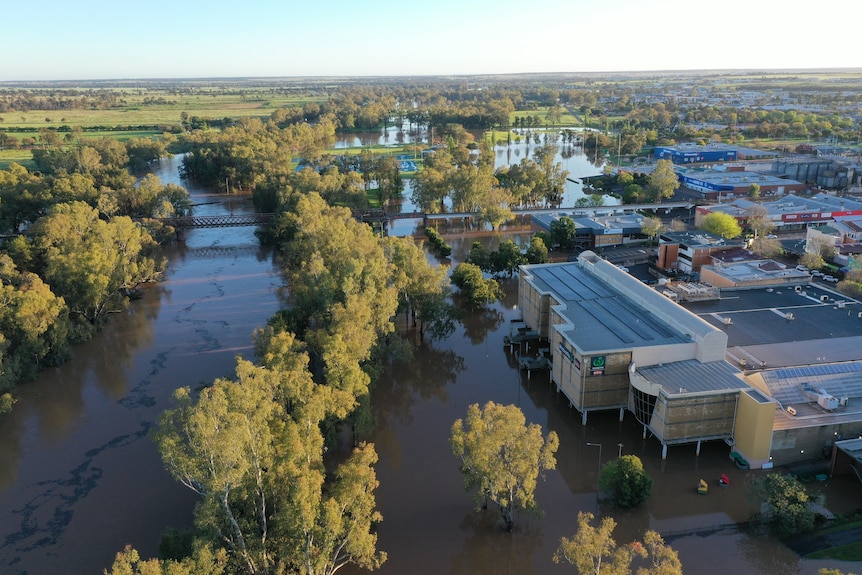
797 288
790 410
824 298
727 321
859 315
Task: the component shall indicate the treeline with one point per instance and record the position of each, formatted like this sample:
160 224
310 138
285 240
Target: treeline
57 100
79 239
659 111
270 502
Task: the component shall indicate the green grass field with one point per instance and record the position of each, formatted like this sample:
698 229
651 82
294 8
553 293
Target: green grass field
23 157
143 107
566 119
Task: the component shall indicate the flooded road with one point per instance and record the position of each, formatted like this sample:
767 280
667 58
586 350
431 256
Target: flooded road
79 478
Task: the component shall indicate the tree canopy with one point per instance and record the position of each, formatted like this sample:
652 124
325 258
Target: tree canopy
502 457
721 224
626 481
787 501
663 181
593 551
477 290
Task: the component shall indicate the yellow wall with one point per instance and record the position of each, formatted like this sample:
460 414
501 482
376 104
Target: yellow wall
753 431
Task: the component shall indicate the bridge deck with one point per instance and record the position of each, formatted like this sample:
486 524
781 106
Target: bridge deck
223 221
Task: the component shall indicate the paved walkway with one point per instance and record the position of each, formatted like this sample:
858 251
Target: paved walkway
811 542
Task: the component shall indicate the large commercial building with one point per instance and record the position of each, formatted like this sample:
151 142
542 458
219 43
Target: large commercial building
727 184
789 212
691 153
768 369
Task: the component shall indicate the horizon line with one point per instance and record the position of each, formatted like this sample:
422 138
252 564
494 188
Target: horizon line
437 76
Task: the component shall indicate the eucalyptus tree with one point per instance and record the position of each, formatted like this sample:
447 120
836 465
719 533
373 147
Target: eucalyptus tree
92 263
252 448
341 294
433 183
663 181
423 289
502 457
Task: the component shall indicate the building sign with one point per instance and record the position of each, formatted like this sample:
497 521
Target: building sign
568 354
597 365
807 216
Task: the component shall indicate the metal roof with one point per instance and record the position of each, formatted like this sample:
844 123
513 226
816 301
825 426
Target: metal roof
836 379
602 318
692 376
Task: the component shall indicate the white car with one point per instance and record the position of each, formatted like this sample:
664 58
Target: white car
817 273
803 269
831 279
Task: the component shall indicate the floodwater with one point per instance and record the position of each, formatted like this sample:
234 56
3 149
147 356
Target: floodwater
79 478
429 525
571 157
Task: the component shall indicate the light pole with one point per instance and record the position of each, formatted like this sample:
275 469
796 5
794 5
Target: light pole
620 454
598 473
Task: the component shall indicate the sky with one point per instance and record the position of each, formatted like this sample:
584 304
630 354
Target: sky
119 39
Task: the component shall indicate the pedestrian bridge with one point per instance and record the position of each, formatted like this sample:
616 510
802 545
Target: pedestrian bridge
222 221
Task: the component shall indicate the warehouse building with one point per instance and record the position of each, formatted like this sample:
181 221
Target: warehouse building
722 185
691 153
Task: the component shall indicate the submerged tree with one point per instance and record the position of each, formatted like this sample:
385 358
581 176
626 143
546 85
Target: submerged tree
593 551
252 448
787 501
476 288
626 481
502 456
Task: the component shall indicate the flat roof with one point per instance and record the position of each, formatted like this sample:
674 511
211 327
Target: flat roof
821 345
748 271
852 447
759 323
788 204
739 178
699 238
602 318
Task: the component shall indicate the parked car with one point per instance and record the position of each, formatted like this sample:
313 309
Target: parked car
803 269
817 273
831 279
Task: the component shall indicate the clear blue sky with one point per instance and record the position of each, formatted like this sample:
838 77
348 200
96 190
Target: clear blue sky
111 39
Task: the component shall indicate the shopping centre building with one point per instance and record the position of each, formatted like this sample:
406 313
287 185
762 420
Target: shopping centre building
774 370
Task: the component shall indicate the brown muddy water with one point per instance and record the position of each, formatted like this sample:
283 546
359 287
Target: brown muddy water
79 477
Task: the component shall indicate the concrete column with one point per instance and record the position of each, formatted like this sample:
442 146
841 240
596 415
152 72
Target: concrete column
583 418
698 448
644 431
622 413
664 451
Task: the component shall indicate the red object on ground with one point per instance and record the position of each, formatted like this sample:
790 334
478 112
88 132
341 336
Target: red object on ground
724 479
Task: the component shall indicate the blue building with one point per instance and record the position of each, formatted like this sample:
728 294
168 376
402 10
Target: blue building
694 154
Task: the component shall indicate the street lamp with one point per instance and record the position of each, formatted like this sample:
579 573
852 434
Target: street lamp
598 473
620 454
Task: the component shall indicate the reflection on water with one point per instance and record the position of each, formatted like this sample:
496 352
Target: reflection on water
79 478
429 525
